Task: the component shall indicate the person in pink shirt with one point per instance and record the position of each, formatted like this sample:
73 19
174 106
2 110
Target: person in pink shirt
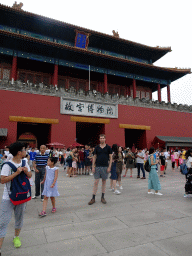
180 159
173 161
176 155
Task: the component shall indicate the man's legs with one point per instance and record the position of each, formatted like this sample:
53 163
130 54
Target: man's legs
103 186
5 217
138 170
19 214
88 170
42 174
95 187
142 169
37 183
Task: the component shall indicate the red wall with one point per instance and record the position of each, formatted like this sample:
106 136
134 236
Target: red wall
162 122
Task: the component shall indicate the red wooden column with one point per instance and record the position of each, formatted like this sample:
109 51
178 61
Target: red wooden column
159 92
105 83
168 93
14 69
126 91
67 84
134 89
55 75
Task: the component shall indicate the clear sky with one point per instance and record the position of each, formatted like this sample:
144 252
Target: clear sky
149 22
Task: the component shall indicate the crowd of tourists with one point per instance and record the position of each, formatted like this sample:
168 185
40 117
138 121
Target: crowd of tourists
18 162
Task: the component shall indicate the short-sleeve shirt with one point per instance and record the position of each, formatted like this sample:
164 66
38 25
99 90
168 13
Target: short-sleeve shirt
32 155
140 160
102 154
86 153
176 155
189 162
81 156
41 160
6 171
162 158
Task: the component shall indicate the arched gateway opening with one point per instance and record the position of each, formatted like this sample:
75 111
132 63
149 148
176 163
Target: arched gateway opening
34 134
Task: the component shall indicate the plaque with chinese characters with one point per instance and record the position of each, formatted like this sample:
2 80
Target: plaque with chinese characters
82 108
81 40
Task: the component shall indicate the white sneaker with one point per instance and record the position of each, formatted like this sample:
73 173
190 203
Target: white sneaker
111 189
117 192
35 197
42 200
117 185
121 187
159 194
186 195
67 174
151 193
91 174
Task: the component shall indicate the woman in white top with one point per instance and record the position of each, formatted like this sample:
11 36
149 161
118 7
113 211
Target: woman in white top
188 157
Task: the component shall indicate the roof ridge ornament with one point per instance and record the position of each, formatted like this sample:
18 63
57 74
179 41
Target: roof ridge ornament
115 34
17 6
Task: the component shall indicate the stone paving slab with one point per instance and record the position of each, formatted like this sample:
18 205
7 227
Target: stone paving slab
100 212
82 229
85 246
119 239
140 250
133 223
183 224
142 218
181 245
28 239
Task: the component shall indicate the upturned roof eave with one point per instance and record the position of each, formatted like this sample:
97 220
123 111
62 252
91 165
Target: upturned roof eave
164 50
73 48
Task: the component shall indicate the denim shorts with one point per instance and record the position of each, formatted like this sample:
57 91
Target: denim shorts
81 164
101 172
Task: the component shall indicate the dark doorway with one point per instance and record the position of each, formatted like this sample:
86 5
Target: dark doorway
41 131
88 133
136 137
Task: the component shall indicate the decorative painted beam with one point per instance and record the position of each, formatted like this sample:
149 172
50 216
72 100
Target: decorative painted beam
24 119
137 127
90 120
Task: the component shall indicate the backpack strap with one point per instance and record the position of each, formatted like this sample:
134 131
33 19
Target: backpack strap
13 167
23 163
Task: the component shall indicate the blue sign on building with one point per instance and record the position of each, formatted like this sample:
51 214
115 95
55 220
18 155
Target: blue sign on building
81 40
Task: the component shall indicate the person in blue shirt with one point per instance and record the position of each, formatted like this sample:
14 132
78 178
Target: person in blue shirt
32 155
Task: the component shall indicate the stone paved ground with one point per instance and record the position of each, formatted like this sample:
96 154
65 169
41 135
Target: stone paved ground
133 223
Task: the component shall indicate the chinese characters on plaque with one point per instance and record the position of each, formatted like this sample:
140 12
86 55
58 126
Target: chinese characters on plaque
81 40
72 107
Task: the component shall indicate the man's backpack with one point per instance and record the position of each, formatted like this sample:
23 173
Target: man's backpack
183 169
147 166
20 190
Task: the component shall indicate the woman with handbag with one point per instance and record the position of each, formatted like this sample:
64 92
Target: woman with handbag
130 163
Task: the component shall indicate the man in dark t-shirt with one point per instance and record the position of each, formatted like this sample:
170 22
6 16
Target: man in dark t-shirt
102 158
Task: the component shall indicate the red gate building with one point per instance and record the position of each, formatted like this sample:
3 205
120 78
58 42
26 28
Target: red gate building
60 82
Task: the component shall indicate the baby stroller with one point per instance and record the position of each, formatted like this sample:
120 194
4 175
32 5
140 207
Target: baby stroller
188 184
